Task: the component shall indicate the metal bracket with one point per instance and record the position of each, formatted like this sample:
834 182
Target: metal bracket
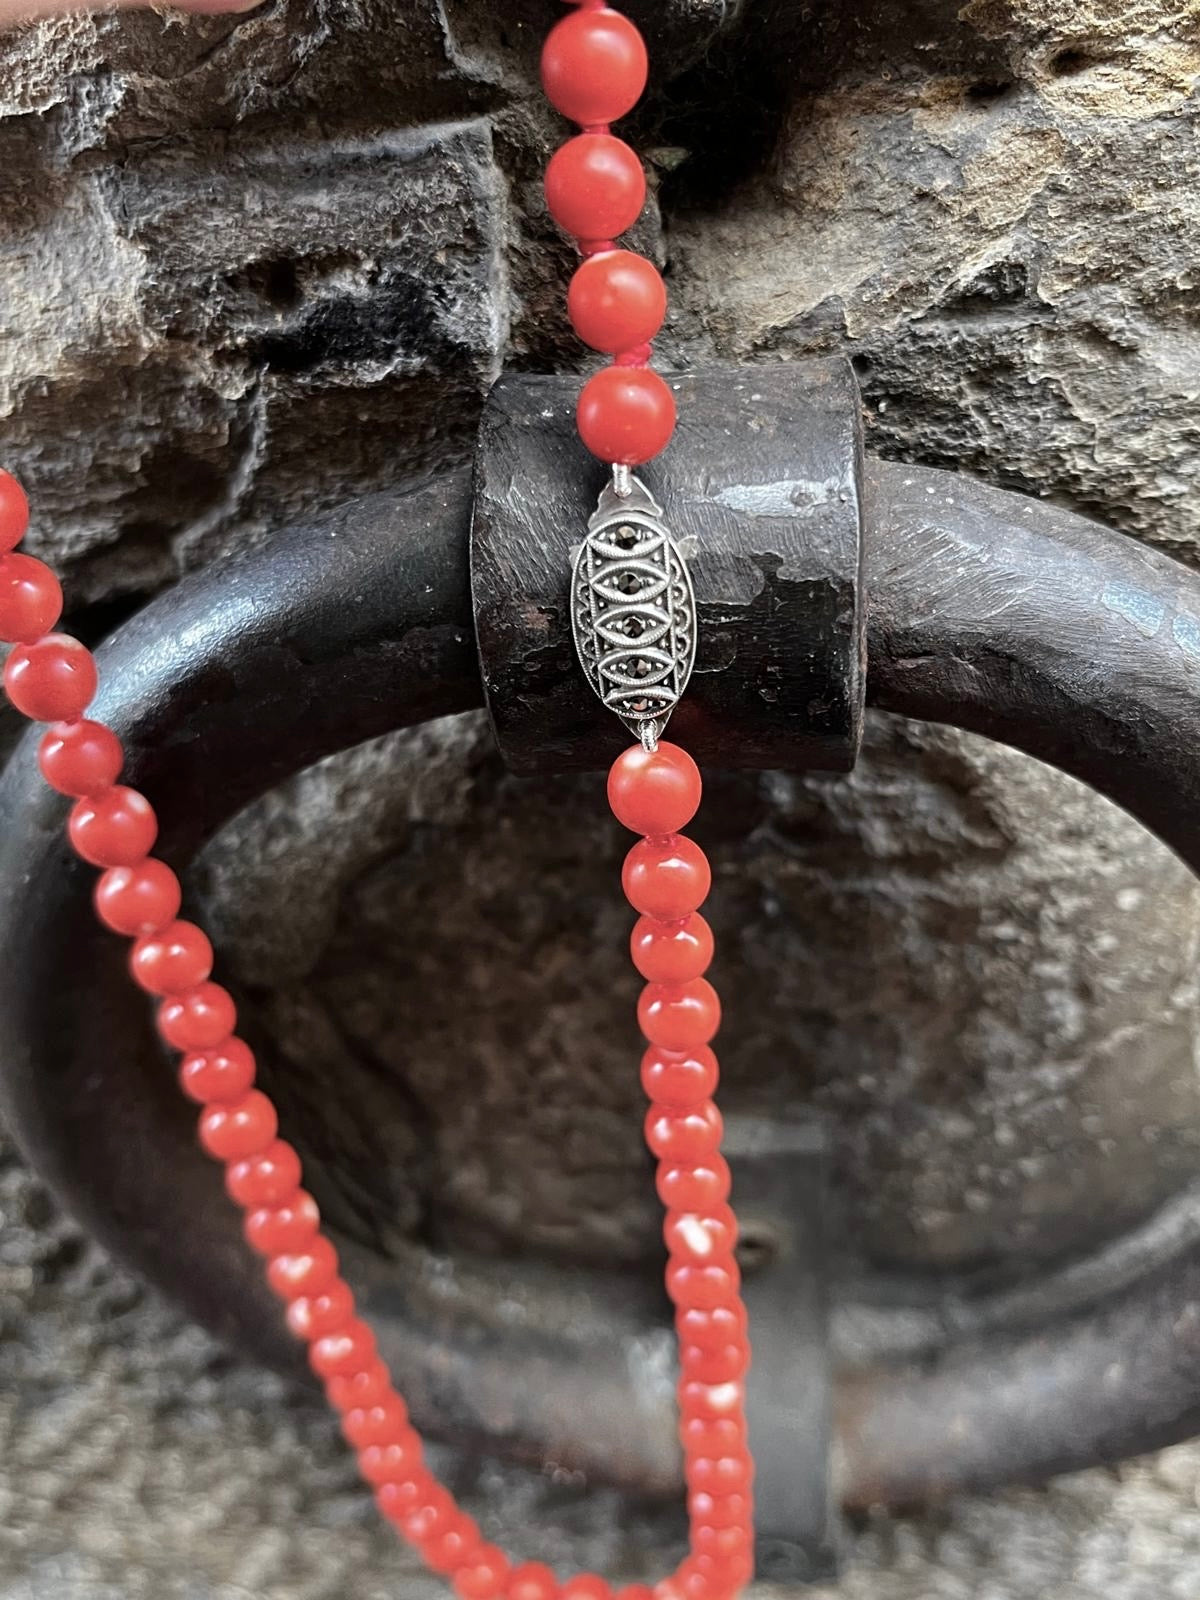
765 475
780 1184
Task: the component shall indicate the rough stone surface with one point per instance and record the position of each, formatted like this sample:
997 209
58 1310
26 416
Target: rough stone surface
252 264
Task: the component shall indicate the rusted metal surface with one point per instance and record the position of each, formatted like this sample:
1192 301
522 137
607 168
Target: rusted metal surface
990 612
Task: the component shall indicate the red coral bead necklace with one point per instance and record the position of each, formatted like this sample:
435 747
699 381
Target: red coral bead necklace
635 628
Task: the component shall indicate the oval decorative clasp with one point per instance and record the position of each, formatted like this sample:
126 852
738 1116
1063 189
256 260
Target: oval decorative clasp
633 612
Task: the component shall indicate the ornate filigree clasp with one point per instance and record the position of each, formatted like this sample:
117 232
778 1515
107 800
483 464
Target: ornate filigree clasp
633 612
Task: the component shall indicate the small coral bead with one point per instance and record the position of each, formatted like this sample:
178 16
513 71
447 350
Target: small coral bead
533 1581
711 1283
138 900
80 758
14 512
594 66
654 791
398 1501
367 1385
114 829
246 1127
267 1179
343 1351
679 1078
395 1461
177 958
595 186
378 1424
731 1474
224 1073
273 1229
713 1400
712 1328
625 415
53 680
722 1364
694 1188
679 1016
586 1587
484 1576
453 1546
31 599
306 1271
672 952
666 878
199 1019
316 1316
706 1437
699 1235
617 301
685 1136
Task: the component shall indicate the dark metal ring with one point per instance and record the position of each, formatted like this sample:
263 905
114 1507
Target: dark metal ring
990 612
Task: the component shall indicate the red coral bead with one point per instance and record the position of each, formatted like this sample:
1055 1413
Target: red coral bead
244 1128
713 1400
398 1501
706 1436
635 1591
713 1328
315 1316
80 758
666 878
225 1073
452 1546
680 1078
533 1581
14 512
672 952
309 1270
720 1364
703 1283
684 1136
436 1514
720 1543
270 1230
625 415
699 1235
679 1016
654 791
366 1385
719 1511
617 301
484 1576
393 1462
586 1587
722 1475
374 1425
138 900
199 1019
114 829
594 66
53 680
342 1351
595 186
267 1179
694 1188
31 599
177 958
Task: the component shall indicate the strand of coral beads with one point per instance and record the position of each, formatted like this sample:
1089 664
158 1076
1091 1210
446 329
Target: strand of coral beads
51 678
594 70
